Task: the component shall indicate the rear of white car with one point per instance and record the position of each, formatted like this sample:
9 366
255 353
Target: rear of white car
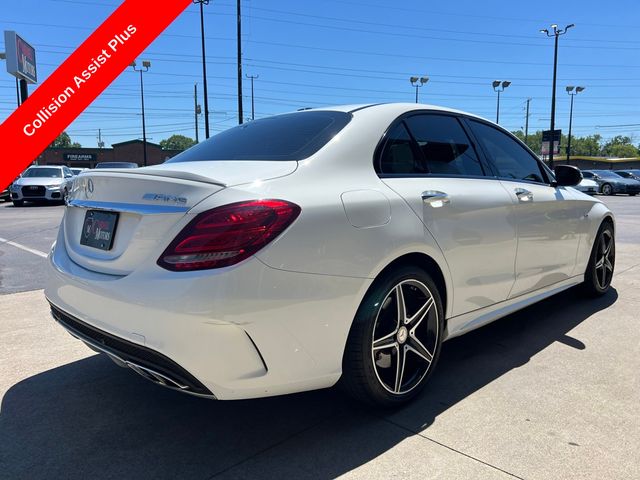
131 279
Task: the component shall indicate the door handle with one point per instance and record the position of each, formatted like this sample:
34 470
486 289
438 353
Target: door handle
524 195
435 198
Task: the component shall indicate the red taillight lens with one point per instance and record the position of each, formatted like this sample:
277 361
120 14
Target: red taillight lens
227 235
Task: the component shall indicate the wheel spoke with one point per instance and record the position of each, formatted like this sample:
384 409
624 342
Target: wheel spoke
422 312
385 342
419 349
608 265
401 357
600 263
402 307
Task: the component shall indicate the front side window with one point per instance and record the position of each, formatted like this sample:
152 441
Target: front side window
588 175
291 136
509 157
444 145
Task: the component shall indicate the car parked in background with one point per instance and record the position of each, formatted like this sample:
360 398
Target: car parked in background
46 183
78 171
117 165
341 244
5 195
633 174
611 183
588 186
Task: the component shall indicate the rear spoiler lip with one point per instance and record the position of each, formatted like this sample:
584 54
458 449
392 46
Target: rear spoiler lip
164 173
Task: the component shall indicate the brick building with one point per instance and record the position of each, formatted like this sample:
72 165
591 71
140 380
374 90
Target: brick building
131 151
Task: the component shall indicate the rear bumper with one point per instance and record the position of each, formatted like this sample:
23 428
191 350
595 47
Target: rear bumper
241 332
149 364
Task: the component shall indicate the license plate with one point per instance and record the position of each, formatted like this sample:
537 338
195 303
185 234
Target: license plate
98 229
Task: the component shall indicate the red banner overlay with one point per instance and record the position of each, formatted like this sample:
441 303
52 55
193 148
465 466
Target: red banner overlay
80 79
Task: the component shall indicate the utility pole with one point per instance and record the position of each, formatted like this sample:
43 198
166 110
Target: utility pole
556 34
526 123
204 67
197 110
240 113
100 142
253 111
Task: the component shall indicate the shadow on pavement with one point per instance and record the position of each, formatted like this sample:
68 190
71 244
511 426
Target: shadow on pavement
92 419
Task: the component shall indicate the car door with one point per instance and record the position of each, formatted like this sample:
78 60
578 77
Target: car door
428 159
547 216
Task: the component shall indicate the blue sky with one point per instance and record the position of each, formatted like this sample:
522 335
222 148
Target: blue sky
310 54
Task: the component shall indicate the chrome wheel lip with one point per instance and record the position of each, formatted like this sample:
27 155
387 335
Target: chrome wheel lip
392 340
605 260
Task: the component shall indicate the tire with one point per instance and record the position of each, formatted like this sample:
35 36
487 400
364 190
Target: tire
597 278
18 203
371 374
607 189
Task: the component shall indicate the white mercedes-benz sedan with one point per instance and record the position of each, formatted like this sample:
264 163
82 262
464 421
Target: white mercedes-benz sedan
335 245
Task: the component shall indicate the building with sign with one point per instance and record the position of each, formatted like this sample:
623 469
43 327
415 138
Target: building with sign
131 151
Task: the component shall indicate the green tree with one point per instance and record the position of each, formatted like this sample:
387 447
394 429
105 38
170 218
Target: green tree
620 146
590 145
534 140
177 142
64 141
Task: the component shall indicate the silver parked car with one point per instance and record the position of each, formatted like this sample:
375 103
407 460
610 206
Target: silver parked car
611 183
50 183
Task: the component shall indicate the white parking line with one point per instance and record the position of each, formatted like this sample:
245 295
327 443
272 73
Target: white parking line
22 247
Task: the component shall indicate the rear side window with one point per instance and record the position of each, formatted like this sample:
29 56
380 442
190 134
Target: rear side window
509 157
292 136
444 145
399 154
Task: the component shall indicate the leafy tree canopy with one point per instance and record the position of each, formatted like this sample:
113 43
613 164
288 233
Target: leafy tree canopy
177 142
64 141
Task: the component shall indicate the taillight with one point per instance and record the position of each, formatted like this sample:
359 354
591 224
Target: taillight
227 235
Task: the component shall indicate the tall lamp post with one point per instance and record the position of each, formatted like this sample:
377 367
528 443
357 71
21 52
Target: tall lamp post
499 86
145 68
556 32
418 82
204 67
572 93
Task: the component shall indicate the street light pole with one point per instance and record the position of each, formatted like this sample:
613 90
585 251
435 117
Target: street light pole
499 86
418 82
556 34
204 67
145 68
572 93
253 111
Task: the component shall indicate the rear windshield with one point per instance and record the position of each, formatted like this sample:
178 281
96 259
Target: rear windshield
43 173
292 136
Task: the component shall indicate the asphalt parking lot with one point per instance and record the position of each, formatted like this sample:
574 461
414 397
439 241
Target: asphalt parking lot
550 392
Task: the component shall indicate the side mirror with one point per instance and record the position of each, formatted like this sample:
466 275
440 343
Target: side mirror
567 176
